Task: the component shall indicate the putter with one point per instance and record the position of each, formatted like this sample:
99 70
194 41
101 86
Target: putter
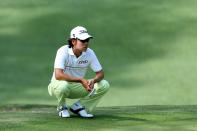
92 92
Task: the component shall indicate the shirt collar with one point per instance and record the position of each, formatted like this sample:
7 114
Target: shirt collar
70 51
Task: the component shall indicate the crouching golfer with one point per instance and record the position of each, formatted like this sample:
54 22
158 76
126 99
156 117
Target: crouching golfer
70 67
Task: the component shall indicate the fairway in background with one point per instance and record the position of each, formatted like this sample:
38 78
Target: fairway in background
147 48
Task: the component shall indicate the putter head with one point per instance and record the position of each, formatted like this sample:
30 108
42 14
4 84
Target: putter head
92 92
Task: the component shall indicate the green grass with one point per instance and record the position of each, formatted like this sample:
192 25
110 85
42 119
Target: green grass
126 118
148 52
147 49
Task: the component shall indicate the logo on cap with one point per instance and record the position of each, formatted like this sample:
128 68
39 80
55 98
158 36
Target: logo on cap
83 31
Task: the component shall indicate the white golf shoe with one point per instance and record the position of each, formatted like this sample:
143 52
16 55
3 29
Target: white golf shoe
63 112
77 108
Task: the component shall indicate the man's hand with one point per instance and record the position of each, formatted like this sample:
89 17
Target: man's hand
91 84
99 76
85 84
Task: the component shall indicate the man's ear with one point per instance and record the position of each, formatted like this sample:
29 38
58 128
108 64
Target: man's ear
74 41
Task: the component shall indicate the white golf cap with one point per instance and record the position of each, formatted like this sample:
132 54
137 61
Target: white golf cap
79 32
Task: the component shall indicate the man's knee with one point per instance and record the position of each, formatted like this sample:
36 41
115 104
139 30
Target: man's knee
104 85
62 87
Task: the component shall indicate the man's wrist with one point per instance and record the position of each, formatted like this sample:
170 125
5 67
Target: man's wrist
95 80
80 80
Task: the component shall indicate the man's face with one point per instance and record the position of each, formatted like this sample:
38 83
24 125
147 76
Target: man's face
81 45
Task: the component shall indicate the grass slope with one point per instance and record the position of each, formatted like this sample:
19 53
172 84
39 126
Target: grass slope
147 48
136 118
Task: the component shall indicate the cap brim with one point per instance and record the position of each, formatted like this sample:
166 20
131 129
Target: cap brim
84 36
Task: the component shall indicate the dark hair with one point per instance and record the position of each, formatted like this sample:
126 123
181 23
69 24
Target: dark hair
70 45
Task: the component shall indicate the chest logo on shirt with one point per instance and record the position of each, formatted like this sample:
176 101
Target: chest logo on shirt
83 62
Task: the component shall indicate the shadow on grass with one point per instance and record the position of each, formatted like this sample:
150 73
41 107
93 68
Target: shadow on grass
112 112
125 117
118 118
16 107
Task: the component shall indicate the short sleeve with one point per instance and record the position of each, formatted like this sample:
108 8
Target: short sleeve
60 58
95 64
